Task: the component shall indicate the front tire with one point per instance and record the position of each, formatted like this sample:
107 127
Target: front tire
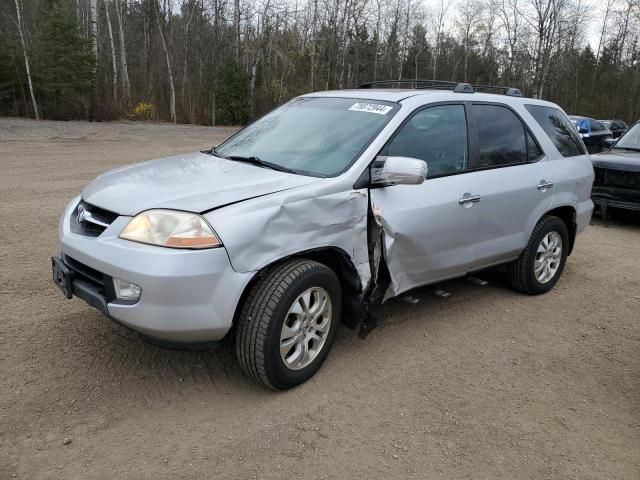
288 322
539 266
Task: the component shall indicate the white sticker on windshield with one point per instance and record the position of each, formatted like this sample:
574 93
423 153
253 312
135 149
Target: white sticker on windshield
371 108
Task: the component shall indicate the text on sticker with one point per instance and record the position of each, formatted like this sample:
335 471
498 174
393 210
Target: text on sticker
371 108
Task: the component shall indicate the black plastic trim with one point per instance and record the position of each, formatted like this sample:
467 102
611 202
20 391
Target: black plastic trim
90 294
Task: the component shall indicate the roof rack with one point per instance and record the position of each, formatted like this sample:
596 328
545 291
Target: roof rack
510 91
442 85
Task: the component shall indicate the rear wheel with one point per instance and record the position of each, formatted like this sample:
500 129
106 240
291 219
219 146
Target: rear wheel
288 322
541 263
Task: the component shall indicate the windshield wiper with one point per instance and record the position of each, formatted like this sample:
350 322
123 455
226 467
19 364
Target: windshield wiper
631 149
258 162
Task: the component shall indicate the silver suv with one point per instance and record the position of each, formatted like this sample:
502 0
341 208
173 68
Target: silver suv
332 202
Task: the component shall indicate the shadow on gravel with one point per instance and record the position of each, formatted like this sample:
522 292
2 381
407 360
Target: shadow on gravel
91 348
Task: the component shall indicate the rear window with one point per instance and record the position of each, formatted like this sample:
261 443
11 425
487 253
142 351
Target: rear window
560 130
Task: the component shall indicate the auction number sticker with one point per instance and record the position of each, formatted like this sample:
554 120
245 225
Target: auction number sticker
371 108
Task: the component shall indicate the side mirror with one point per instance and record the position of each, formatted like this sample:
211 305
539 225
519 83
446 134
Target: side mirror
387 171
583 130
608 143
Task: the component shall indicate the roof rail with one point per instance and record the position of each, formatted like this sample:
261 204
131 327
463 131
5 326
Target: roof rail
442 85
420 84
510 91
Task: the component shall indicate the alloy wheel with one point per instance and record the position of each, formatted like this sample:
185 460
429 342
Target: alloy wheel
548 257
305 328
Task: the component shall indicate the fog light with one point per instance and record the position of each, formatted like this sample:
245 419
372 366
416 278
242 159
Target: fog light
126 290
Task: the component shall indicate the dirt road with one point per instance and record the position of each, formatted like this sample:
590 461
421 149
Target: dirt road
486 384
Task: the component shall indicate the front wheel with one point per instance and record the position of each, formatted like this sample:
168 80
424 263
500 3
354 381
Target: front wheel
288 322
541 263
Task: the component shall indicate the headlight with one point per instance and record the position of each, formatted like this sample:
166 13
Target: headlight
171 228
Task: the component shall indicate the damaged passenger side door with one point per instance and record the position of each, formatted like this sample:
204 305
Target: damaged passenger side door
428 230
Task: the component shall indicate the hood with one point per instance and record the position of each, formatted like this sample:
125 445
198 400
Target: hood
195 182
617 160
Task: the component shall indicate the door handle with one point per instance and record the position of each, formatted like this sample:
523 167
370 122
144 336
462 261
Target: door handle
544 185
467 198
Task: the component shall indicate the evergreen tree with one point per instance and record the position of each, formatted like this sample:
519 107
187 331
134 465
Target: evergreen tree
65 64
233 95
8 80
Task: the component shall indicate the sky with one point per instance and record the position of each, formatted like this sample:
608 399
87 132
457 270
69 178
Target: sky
593 33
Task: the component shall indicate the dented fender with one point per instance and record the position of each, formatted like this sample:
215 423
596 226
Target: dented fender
259 232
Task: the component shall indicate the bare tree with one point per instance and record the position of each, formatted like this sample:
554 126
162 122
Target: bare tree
185 59
114 64
603 31
172 88
123 54
236 26
470 11
509 12
438 21
376 38
93 38
283 48
25 54
545 21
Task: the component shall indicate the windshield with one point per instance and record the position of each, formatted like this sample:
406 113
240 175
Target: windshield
631 139
315 135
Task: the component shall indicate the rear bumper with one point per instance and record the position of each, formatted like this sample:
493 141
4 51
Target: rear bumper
584 211
188 296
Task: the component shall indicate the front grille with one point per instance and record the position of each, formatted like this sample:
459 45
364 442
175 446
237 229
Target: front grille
90 220
619 178
599 176
605 177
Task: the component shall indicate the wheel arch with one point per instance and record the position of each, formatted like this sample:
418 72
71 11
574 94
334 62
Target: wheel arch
568 214
340 263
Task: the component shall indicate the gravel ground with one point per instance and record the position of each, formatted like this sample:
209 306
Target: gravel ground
485 384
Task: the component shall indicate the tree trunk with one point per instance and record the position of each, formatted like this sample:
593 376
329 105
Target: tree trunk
172 101
114 63
123 56
376 39
236 26
93 19
186 54
36 110
253 88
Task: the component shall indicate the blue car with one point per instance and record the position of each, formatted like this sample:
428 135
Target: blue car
594 133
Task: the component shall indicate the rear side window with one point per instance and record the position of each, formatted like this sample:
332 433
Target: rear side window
534 152
560 130
500 137
597 126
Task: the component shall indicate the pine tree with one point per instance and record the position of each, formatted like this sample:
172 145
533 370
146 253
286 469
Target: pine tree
65 65
233 95
8 80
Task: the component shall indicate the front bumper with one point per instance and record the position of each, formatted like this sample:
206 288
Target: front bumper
188 296
617 198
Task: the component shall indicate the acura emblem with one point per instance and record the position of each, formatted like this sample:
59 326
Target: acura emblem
82 214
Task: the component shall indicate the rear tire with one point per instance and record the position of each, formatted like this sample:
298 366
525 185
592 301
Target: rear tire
539 266
288 322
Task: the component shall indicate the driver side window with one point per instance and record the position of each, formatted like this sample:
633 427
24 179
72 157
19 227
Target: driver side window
437 135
